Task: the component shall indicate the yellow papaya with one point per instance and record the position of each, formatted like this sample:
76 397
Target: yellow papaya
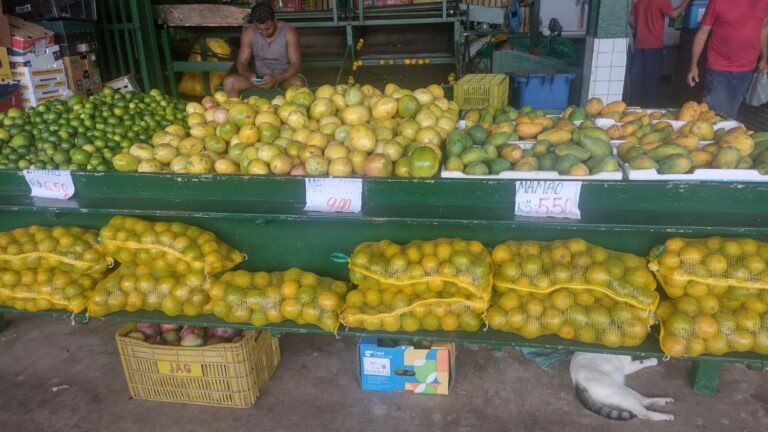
614 107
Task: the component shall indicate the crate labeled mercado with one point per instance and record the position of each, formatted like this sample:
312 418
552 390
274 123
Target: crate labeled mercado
227 374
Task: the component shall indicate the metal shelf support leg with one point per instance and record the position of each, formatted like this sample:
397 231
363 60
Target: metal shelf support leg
704 375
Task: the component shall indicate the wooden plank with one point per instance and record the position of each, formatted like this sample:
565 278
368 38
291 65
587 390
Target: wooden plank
201 15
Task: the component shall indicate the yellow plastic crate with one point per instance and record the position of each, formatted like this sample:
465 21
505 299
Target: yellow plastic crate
226 375
477 91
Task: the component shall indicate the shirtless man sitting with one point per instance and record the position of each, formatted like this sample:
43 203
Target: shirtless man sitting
274 47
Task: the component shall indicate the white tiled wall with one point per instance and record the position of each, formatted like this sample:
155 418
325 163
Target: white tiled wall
608 68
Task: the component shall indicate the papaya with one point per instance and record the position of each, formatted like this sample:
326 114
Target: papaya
623 148
544 121
477 169
567 111
541 147
675 164
665 150
511 153
547 162
565 125
700 158
617 107
719 134
642 131
578 114
527 164
652 137
501 117
711 148
759 136
631 127
737 138
491 152
631 116
498 165
578 169
709 117
701 129
763 169
528 130
605 164
555 136
472 155
745 163
477 134
565 162
594 132
498 138
690 142
760 146
454 163
762 158
588 123
454 148
643 162
650 146
486 116
726 158
596 147
594 107
580 153
528 153
460 136
616 132
662 125
634 152
689 111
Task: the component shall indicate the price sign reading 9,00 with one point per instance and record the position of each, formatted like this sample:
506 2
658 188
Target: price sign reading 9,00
557 199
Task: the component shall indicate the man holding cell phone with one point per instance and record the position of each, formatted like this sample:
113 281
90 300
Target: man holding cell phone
273 46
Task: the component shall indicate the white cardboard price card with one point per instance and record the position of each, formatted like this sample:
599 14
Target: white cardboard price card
334 195
558 199
50 183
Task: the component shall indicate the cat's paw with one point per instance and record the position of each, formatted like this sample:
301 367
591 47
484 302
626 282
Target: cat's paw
653 361
662 401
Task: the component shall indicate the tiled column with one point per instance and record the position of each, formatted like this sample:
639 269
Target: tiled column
605 56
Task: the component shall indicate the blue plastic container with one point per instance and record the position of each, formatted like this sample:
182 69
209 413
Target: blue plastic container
694 13
543 91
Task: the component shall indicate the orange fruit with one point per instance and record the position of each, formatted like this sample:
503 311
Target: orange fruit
669 260
577 245
742 340
443 251
586 334
515 319
501 253
530 248
534 307
732 248
674 245
754 264
674 346
496 318
635 329
755 305
562 299
508 271
409 323
761 343
687 305
567 331
290 309
372 297
678 324
747 320
413 253
598 275
508 301
691 254
552 320
355 298
289 289
599 318
696 346
531 329
611 338
391 323
561 255
584 298
716 264
696 289
430 322
748 246
329 300
709 304
717 345
449 322
705 326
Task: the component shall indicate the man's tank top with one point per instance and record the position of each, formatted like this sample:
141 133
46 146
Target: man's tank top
270 58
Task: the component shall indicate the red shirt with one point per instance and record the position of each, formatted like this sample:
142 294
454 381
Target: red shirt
649 22
734 41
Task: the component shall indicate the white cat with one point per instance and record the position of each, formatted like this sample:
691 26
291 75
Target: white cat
599 381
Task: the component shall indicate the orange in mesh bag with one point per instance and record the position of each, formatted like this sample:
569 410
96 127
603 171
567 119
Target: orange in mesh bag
69 249
460 265
718 289
167 245
262 298
135 286
41 289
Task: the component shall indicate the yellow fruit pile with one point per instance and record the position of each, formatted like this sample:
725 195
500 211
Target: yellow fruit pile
718 295
438 284
572 289
49 267
262 298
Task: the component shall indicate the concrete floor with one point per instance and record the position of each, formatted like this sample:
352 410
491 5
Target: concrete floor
315 389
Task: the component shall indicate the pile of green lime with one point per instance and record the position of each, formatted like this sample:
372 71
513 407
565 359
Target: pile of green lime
84 134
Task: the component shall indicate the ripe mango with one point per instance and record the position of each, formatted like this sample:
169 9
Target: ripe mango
555 136
700 158
675 164
643 162
580 153
477 169
738 139
664 151
614 107
726 158
594 107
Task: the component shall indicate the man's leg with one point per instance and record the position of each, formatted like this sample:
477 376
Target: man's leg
233 84
652 59
739 83
297 80
716 89
636 79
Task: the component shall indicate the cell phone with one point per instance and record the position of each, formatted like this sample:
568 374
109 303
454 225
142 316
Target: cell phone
257 80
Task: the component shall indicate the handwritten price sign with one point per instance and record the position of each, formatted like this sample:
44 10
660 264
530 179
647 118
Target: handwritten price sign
548 199
331 195
50 183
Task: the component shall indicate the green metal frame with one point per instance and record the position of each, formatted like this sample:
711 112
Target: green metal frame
264 215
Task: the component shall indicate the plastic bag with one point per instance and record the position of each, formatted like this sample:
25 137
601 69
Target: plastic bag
192 82
167 246
69 249
447 266
41 289
757 94
262 298
136 287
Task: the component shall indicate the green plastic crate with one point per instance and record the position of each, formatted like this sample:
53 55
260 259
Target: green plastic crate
477 91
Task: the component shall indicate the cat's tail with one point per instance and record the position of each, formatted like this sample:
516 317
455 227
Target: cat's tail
602 410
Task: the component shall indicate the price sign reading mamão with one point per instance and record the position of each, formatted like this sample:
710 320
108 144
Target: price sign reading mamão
558 199
332 195
50 183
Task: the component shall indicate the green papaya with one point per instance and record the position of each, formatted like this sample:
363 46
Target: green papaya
528 153
567 111
643 162
472 155
643 131
578 114
454 163
592 162
719 133
477 169
579 152
541 147
565 162
588 123
547 162
498 165
490 151
665 150
726 158
760 136
454 148
759 147
498 138
745 163
762 158
501 117
486 116
675 164
512 113
527 164
763 169
595 132
477 134
606 164
577 134
596 147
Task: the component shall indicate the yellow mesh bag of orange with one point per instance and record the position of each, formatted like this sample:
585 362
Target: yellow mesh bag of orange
69 249
167 246
45 288
718 295
573 289
261 298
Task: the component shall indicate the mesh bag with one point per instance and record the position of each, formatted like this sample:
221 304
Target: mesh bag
167 246
718 295
424 305
135 286
69 249
262 298
41 289
454 264
585 315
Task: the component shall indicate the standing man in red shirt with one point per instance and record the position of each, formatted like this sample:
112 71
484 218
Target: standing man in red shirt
738 36
647 19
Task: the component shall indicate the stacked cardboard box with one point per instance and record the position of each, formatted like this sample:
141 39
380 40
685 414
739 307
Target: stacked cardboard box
77 41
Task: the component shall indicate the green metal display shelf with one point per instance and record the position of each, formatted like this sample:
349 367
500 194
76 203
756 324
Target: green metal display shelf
264 217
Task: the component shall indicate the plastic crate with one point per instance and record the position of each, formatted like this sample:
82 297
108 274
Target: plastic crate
477 91
694 13
225 375
543 91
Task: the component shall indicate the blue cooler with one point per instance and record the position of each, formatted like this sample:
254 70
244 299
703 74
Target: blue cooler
547 91
694 13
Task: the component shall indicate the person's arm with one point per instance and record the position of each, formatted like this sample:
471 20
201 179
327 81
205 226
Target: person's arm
763 65
698 46
674 13
633 16
294 58
244 55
